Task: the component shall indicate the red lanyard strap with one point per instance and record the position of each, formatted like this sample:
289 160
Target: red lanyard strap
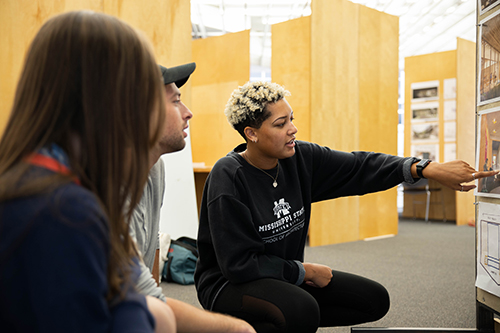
52 164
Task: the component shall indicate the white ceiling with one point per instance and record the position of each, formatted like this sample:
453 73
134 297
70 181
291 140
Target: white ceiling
426 26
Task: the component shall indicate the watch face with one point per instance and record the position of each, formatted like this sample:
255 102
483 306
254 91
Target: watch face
423 163
420 166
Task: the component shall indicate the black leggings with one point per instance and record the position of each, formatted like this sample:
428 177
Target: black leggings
271 305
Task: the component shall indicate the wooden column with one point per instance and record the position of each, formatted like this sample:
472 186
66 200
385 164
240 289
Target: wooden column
466 60
378 118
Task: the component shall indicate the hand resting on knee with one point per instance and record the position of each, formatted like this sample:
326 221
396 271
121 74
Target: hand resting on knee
317 275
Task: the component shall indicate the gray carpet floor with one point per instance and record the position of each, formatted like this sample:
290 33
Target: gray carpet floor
428 269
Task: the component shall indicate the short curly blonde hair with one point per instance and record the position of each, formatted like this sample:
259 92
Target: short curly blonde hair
247 103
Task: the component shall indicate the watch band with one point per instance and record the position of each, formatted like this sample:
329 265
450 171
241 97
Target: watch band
421 166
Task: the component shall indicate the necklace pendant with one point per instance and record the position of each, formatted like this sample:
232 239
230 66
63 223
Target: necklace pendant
275 184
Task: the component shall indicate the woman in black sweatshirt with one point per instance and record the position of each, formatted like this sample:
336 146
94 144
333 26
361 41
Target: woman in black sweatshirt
255 216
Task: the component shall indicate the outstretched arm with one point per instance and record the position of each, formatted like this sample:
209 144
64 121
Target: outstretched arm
454 174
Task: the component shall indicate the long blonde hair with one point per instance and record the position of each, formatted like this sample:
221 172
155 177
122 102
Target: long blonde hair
90 84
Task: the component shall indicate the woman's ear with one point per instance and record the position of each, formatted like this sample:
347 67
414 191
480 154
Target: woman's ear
250 134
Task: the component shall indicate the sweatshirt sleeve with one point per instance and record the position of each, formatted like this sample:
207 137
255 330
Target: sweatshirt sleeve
231 219
146 284
337 174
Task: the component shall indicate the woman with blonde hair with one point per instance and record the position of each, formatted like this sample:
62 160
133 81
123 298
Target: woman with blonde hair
74 159
255 214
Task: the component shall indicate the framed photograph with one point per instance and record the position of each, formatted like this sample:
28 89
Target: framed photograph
424 91
485 5
450 88
488 152
488 247
450 152
488 89
425 132
426 151
424 112
450 110
450 131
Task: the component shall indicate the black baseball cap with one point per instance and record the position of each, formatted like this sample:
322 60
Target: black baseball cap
178 75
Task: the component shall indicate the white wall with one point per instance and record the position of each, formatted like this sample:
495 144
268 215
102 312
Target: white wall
179 216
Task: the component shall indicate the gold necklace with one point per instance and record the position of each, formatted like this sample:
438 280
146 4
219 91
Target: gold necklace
275 183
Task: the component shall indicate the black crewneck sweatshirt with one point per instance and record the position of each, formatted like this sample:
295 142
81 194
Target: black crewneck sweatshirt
250 230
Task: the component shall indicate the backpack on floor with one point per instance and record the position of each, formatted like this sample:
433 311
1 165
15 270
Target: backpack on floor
182 257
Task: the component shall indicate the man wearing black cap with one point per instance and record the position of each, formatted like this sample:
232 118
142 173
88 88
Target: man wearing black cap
145 222
144 225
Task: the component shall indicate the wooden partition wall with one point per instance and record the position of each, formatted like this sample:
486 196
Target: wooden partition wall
291 67
166 23
341 66
223 64
457 64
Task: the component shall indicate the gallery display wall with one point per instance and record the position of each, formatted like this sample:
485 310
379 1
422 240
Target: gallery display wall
439 104
487 154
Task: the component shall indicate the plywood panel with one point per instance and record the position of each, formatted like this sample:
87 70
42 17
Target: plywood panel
378 117
354 92
21 20
168 32
291 67
19 25
334 107
334 73
466 59
222 59
212 137
223 64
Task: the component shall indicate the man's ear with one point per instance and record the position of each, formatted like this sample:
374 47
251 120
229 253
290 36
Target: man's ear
250 134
